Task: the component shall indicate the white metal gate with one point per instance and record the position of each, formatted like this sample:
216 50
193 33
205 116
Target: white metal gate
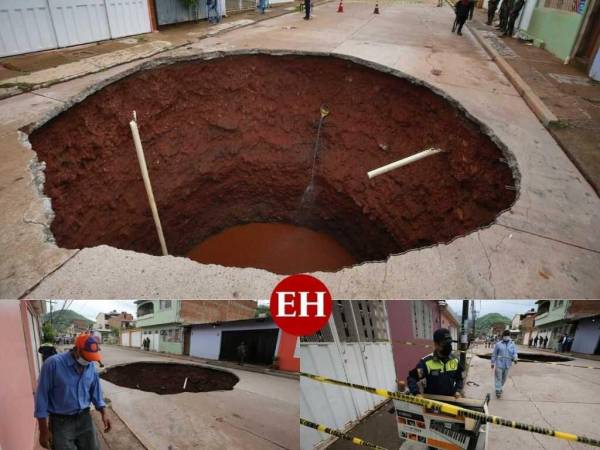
135 339
127 17
34 25
25 26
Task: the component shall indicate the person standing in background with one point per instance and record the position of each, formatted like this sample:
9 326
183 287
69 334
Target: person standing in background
503 356
241 351
492 7
461 9
47 349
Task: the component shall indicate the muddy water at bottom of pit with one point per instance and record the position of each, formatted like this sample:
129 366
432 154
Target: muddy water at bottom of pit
277 247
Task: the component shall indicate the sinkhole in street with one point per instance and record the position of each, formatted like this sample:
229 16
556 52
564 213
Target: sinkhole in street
535 357
169 378
230 145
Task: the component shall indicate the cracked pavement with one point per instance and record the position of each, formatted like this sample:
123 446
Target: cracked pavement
557 397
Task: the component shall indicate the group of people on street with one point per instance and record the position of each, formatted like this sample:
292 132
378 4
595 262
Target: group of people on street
539 342
509 11
563 344
508 14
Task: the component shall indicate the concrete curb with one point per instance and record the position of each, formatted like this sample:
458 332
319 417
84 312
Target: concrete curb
538 107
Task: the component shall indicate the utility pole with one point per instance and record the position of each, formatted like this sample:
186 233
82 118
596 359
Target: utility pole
462 346
473 317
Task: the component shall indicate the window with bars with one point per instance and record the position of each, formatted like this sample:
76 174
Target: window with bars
370 325
164 304
422 320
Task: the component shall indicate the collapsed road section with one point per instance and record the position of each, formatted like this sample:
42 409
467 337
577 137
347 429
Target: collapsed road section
230 144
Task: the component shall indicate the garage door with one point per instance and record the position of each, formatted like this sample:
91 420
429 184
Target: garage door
33 25
128 17
136 339
260 345
25 26
79 21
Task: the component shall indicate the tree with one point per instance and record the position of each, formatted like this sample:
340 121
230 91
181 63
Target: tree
115 331
48 331
263 309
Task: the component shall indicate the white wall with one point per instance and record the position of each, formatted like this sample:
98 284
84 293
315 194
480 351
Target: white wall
370 364
135 339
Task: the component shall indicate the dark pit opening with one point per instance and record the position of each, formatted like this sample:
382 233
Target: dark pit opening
169 378
230 142
535 357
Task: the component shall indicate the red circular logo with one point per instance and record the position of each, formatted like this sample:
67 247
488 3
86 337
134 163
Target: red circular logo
300 305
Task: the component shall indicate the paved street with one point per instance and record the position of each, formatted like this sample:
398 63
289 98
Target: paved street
261 412
552 396
546 245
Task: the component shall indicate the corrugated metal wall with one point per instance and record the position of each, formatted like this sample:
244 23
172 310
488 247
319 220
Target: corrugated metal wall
367 361
34 25
25 27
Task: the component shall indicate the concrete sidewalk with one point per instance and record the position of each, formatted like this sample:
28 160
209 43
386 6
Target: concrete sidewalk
25 73
565 90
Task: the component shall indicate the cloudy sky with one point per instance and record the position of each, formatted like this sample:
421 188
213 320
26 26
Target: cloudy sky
507 308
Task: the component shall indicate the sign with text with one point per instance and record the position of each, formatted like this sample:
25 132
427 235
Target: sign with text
300 305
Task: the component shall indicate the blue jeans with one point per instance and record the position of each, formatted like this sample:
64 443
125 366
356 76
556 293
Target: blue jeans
74 432
501 376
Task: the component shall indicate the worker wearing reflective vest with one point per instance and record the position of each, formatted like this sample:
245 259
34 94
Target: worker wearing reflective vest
440 372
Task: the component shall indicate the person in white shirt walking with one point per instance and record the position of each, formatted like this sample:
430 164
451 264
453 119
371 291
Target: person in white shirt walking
503 356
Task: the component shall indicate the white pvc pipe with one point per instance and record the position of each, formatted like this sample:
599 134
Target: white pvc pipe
142 160
404 162
185 383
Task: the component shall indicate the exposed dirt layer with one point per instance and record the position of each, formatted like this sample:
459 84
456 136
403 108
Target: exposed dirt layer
540 357
169 378
230 141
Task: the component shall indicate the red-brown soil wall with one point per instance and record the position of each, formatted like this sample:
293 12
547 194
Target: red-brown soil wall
230 141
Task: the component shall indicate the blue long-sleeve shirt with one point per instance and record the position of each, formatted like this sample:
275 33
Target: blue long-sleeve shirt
504 354
63 390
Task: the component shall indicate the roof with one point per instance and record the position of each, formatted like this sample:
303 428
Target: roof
257 320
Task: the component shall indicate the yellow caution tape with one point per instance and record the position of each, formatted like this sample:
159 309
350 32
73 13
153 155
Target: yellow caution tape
418 344
456 410
337 433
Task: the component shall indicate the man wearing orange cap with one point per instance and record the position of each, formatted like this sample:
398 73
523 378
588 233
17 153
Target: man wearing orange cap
68 384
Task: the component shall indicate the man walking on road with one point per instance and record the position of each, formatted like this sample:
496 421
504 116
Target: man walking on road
503 356
67 385
441 372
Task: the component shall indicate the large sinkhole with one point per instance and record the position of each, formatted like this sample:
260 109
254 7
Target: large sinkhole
230 145
170 378
535 357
